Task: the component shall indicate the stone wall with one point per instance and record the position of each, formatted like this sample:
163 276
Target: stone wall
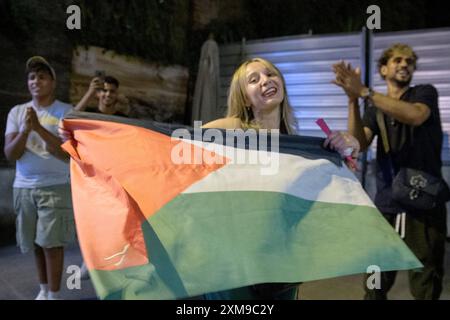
147 90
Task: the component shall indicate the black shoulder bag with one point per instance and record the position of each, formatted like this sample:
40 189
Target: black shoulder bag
411 188
418 190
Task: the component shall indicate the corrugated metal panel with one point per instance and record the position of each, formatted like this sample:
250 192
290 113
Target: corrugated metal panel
433 49
306 64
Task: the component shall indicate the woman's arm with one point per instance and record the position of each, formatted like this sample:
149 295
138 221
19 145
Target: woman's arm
224 123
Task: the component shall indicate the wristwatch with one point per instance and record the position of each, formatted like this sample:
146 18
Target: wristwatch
367 93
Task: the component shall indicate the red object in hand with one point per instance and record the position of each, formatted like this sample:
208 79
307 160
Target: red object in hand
323 125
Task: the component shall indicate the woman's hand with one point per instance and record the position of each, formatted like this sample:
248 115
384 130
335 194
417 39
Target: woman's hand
344 143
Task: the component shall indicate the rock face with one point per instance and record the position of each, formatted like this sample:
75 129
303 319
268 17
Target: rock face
147 90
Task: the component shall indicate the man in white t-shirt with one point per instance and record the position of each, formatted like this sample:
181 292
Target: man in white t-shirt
42 197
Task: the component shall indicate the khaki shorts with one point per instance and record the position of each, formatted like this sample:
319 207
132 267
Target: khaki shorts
44 217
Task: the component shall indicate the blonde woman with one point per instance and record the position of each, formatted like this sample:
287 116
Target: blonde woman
257 99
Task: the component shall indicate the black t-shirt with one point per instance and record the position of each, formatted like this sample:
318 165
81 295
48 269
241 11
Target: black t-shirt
96 110
411 147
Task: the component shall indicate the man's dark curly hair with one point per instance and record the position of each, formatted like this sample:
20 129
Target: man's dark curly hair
111 80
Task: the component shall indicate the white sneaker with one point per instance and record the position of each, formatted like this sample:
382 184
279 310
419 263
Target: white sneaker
42 295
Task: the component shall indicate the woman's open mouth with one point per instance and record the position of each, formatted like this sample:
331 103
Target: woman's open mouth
270 92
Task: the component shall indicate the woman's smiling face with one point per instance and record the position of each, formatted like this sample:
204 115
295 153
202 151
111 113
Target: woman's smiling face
264 87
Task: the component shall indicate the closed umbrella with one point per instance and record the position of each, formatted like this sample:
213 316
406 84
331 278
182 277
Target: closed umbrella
207 87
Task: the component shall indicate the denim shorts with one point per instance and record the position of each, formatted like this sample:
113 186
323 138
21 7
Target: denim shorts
44 217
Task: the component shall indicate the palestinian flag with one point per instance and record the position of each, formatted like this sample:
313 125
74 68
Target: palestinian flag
152 227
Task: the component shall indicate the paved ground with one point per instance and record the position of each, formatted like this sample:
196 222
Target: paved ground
18 278
18 281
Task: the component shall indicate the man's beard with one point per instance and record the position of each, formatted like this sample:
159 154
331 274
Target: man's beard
403 83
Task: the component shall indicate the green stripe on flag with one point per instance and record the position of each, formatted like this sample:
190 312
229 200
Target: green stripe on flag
242 238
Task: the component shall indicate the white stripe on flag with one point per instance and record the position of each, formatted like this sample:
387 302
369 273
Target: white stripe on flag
315 180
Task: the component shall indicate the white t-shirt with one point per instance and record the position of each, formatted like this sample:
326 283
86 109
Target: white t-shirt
37 167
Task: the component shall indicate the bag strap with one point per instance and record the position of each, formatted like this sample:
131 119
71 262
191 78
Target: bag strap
385 141
383 131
